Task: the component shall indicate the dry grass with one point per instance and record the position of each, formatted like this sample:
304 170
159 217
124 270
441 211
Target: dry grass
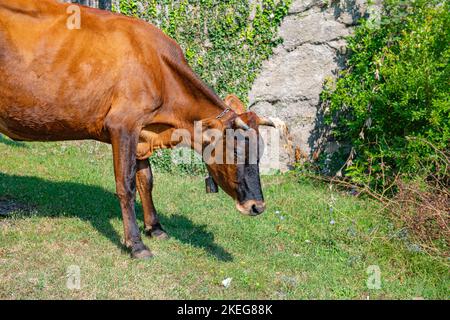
425 212
419 203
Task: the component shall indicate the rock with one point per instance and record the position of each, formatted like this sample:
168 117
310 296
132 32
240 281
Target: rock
277 148
287 81
291 91
291 81
227 282
299 6
317 27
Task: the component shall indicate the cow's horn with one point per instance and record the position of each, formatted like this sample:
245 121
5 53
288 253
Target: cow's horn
266 122
240 124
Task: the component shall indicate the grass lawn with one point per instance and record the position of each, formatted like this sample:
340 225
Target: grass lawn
64 213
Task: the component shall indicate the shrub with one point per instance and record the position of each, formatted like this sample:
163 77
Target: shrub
390 108
392 103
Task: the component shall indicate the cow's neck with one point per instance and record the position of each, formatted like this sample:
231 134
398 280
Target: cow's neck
195 117
204 110
194 100
189 99
181 117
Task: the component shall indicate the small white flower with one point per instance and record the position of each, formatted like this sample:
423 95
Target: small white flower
226 283
277 212
308 241
332 222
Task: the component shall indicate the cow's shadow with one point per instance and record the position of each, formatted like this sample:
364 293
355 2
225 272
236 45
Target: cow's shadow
98 206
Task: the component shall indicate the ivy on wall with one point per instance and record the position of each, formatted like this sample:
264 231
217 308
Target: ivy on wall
225 41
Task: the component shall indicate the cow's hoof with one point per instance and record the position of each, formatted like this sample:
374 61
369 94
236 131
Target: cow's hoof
157 232
141 252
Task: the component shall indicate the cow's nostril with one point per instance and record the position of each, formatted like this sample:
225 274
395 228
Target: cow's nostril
257 209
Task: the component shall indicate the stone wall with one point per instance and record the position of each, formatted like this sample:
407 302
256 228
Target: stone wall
290 83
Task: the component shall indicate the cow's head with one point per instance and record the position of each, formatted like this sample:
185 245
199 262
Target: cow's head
233 148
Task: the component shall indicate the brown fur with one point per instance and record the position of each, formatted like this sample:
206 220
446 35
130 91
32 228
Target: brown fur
117 80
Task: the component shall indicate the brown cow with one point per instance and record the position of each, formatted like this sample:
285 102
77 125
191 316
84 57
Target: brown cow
117 80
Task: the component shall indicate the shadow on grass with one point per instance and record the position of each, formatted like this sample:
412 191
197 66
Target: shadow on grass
184 230
98 206
5 140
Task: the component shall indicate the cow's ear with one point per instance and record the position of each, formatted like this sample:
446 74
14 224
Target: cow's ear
235 104
212 130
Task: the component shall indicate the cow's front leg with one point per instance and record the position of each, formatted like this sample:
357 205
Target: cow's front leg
144 175
124 144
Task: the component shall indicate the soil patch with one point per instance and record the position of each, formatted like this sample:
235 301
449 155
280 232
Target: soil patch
8 206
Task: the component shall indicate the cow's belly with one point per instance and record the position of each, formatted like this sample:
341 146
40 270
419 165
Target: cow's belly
34 134
4 130
45 114
34 124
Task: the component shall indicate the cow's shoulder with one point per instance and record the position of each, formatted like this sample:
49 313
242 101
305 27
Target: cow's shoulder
150 36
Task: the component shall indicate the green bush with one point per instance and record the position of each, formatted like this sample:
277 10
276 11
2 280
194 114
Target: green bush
391 103
225 42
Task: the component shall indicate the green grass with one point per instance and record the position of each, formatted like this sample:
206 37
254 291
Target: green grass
72 218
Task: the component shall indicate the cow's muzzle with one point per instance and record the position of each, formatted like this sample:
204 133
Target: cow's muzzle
251 208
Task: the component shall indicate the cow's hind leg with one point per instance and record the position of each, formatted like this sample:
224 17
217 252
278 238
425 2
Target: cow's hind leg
124 143
153 227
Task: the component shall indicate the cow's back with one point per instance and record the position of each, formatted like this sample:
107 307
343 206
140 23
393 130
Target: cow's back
59 83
